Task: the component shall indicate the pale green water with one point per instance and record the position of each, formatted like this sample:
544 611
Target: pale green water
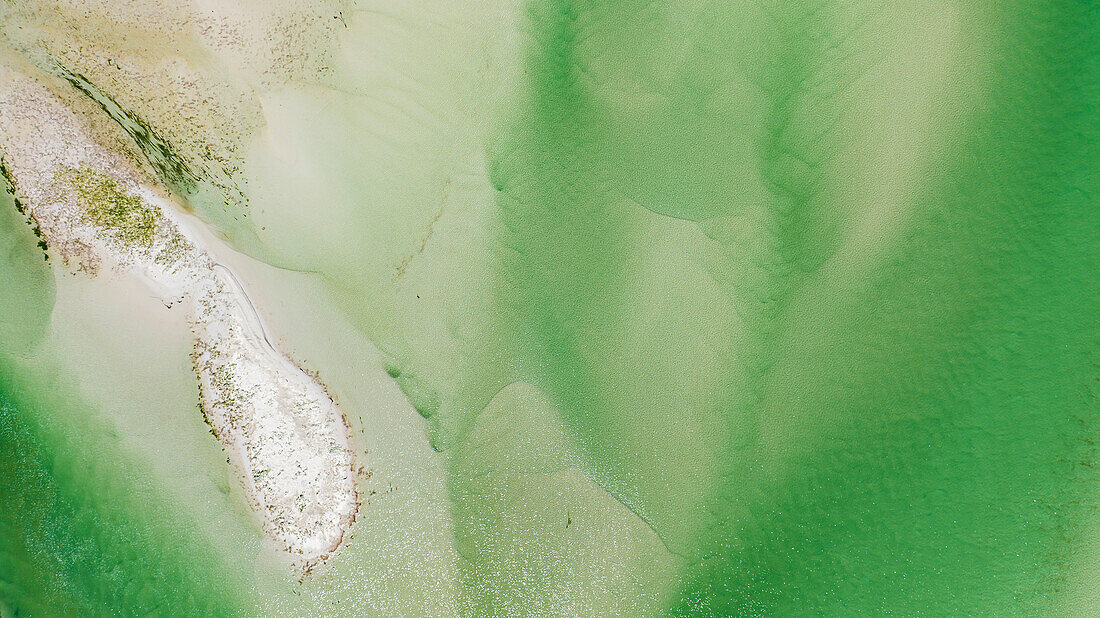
27 292
713 309
84 529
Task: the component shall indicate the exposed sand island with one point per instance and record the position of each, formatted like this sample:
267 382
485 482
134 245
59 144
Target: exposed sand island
280 427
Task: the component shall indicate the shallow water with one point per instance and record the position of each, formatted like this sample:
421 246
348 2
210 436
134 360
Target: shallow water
712 309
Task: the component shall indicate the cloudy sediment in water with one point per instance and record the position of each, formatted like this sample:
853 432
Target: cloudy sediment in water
549 308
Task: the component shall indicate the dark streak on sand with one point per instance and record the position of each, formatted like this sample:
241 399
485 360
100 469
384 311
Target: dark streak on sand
169 166
9 186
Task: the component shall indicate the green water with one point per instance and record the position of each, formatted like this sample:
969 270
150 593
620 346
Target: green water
84 535
759 308
26 294
84 530
913 434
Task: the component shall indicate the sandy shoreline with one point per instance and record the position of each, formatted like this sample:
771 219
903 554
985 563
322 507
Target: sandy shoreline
282 431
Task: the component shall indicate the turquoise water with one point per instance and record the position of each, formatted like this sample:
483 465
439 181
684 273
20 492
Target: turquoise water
713 309
84 533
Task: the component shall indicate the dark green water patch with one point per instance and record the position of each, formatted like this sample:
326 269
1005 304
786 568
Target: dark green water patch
84 533
965 483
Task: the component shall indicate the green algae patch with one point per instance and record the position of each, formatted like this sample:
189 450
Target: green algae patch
108 206
170 167
174 248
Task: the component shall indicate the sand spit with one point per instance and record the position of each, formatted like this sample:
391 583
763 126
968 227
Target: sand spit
281 429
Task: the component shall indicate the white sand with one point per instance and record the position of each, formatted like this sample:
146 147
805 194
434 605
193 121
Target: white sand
280 427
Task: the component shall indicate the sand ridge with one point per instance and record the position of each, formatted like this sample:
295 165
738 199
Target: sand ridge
280 427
